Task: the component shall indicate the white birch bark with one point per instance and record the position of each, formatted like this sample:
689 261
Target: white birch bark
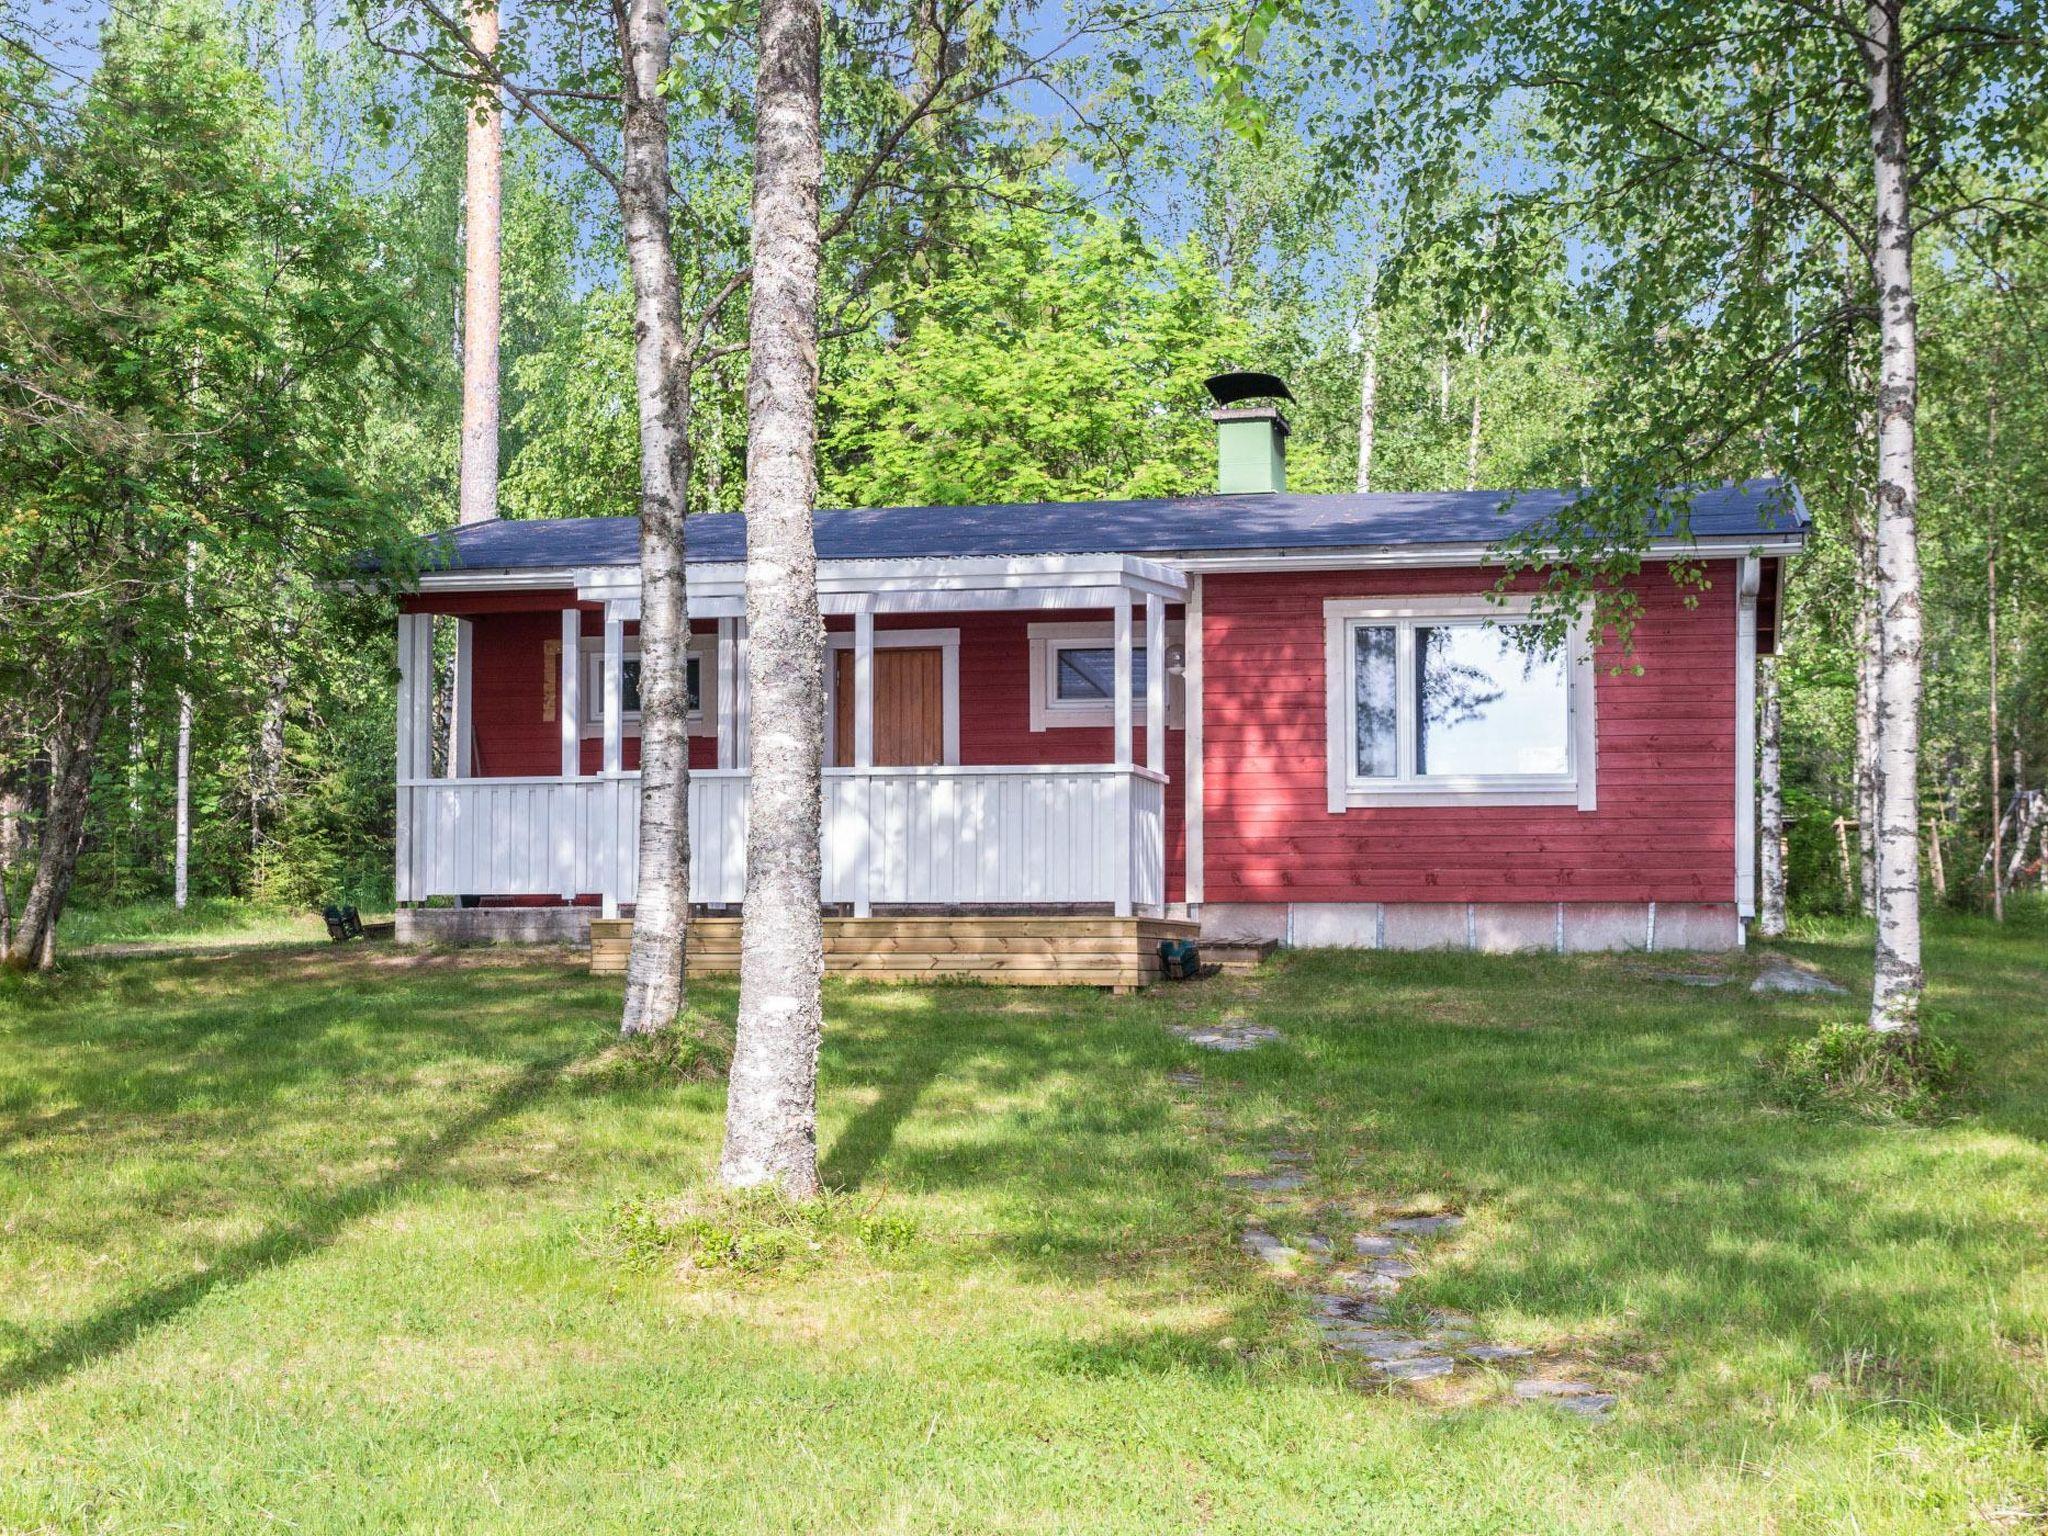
1771 806
1478 351
181 852
482 222
1368 406
1869 641
1898 981
771 1103
654 967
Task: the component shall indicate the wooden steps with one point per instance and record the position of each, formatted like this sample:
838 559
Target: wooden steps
1081 951
1239 954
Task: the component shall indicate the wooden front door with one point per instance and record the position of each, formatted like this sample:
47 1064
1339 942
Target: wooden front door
910 707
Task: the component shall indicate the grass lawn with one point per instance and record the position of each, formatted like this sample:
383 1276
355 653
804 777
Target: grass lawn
207 922
319 1240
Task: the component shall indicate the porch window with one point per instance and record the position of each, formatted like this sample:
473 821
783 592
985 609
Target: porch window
1440 701
1073 676
700 665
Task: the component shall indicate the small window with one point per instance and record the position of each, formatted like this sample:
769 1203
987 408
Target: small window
629 689
1436 702
1086 674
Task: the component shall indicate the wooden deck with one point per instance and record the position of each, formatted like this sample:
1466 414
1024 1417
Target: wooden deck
1117 952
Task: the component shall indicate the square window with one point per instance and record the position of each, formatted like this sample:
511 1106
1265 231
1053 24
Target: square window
1438 701
1086 674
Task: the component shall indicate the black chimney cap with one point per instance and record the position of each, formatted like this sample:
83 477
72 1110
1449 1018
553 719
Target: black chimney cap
1229 388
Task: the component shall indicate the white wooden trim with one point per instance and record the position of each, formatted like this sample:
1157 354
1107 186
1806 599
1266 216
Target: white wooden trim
1191 775
728 693
1426 556
1120 690
864 689
1050 713
701 721
614 688
569 706
1746 590
947 642
461 722
1155 683
743 694
1577 787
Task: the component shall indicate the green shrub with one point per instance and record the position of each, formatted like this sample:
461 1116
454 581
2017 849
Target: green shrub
755 1232
1849 1068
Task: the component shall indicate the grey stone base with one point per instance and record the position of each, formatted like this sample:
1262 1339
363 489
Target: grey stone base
496 925
1484 927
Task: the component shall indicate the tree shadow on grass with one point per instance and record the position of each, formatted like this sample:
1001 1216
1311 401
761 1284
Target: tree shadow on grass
116 1328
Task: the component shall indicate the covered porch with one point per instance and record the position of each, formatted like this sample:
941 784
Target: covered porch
998 739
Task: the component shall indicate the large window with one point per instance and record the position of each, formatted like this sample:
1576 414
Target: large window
1441 701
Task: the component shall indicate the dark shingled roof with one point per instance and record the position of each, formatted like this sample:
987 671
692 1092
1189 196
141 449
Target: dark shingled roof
1159 526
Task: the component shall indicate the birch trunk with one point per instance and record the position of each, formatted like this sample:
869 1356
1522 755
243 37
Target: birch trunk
1898 982
771 1104
1478 350
654 968
1368 410
1869 639
73 745
1991 692
482 223
1771 810
181 854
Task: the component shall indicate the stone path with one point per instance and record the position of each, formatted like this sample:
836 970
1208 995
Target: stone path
1356 1305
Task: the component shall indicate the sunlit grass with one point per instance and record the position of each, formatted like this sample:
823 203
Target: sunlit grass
327 1240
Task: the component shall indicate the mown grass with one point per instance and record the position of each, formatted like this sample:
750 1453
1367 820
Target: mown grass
327 1240
206 922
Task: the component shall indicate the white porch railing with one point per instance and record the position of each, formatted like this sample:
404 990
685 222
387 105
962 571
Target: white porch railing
950 836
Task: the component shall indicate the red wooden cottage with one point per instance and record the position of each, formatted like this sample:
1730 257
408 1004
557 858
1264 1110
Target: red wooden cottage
1270 716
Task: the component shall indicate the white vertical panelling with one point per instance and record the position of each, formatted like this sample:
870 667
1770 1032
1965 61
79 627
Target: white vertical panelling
1155 682
569 704
460 725
916 835
614 687
728 694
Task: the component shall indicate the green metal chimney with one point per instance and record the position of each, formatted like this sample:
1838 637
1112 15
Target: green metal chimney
1251 440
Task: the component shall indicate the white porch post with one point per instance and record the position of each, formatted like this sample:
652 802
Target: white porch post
1121 792
614 688
1155 682
570 705
459 730
409 690
728 693
864 689
864 751
1747 584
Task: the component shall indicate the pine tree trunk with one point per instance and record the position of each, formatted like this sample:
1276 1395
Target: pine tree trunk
1898 982
1368 410
655 989
482 224
771 1106
1771 811
73 744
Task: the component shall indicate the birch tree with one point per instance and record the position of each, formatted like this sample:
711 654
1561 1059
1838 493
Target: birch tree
1683 133
771 1103
483 202
1770 830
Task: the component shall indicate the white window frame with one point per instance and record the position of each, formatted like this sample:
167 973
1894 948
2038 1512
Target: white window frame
945 641
1350 791
701 721
1050 712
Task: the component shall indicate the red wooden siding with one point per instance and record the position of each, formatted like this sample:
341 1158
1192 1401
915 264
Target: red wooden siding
1664 830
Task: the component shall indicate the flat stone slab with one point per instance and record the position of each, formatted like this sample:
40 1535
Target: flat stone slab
1185 1079
1264 1245
1318 1245
1393 1269
1230 1035
1418 1368
1539 1390
1780 977
1371 1245
1591 1405
1424 1226
1495 1354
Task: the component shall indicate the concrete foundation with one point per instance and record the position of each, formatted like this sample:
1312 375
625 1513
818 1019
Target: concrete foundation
495 925
1484 927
